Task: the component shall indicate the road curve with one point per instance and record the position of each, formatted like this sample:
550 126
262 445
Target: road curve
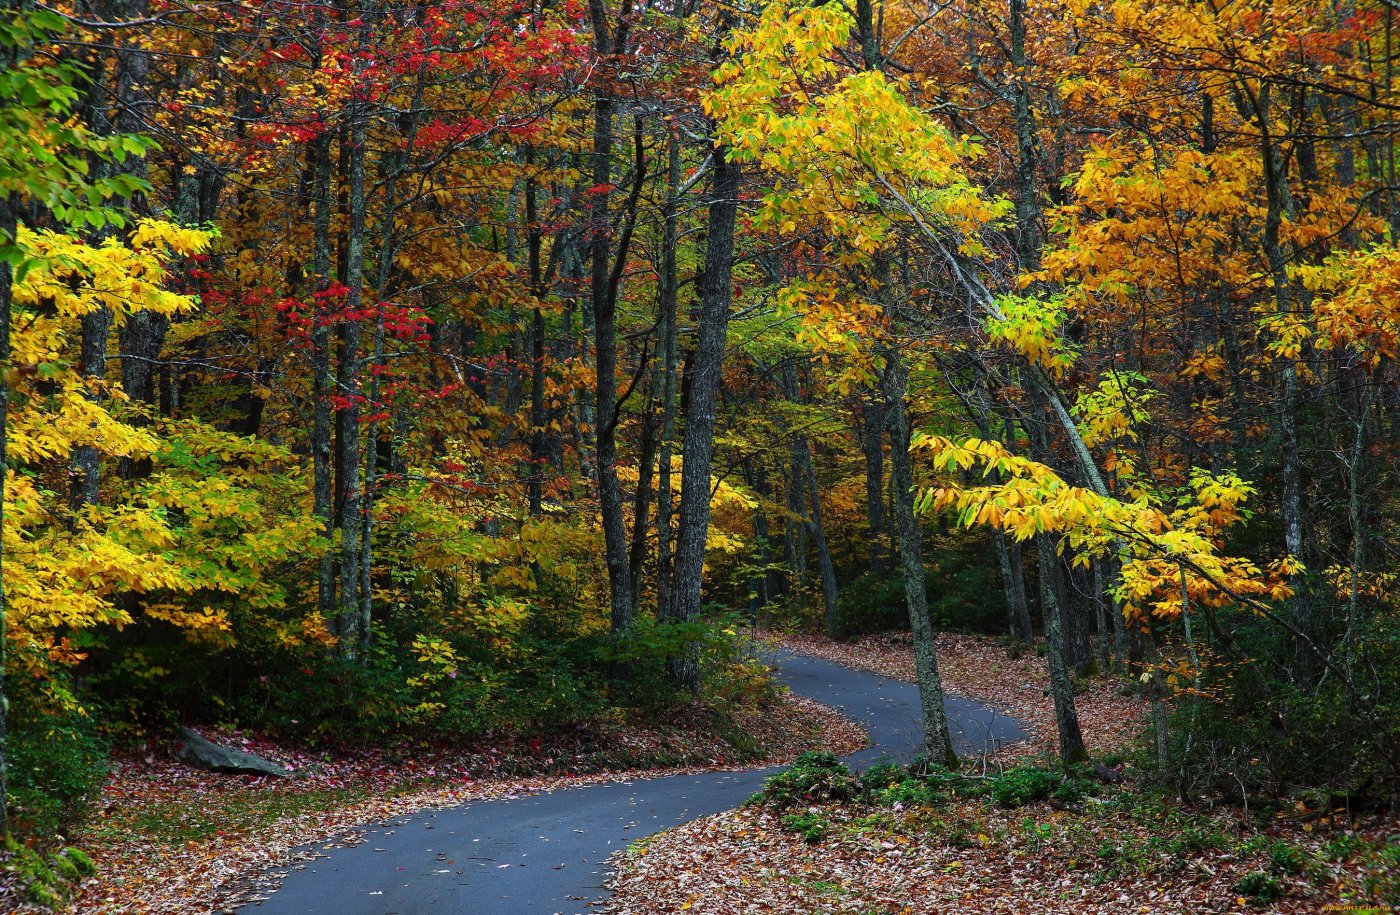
547 853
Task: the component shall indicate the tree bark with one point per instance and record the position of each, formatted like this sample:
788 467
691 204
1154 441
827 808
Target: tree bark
666 367
872 439
802 451
321 379
1013 584
937 743
348 474
1061 686
641 504
716 287
605 342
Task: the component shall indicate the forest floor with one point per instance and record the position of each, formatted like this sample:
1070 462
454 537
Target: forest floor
170 839
1106 849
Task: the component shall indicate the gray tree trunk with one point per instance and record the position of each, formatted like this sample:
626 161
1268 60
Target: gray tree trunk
322 382
666 366
1061 686
605 349
937 743
872 444
712 318
348 474
1013 584
803 452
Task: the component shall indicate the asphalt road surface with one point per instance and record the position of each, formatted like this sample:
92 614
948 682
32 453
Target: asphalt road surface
548 853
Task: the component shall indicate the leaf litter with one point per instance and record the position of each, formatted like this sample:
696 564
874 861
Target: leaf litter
169 839
1118 852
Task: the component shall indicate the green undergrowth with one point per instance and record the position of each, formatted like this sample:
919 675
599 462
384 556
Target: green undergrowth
1104 833
819 777
43 879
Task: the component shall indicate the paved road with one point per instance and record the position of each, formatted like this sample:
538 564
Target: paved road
547 853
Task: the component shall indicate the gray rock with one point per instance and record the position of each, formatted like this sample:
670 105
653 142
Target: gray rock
193 750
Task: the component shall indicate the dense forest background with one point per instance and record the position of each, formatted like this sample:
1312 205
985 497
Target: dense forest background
381 371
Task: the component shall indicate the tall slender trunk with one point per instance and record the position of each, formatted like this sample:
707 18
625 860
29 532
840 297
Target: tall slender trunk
666 366
321 380
1077 610
797 531
92 364
1291 504
1027 202
802 452
872 444
393 167
1101 615
1008 550
771 583
142 335
94 327
937 743
605 348
534 240
348 474
641 503
1061 686
712 317
1013 585
1071 740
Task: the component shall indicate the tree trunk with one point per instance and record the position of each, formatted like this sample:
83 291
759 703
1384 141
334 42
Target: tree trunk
872 439
605 347
1027 202
716 286
666 331
87 460
321 380
534 240
937 743
1013 584
803 453
1291 505
1077 609
1061 686
348 474
641 503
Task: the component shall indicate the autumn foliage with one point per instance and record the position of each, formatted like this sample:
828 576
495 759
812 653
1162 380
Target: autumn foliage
356 353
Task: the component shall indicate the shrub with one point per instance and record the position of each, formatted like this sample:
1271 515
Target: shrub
881 776
815 777
1260 887
957 581
1272 731
57 761
810 826
1024 785
910 792
44 881
1286 857
1382 881
871 604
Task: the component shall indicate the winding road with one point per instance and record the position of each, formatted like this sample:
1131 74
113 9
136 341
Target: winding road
548 853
